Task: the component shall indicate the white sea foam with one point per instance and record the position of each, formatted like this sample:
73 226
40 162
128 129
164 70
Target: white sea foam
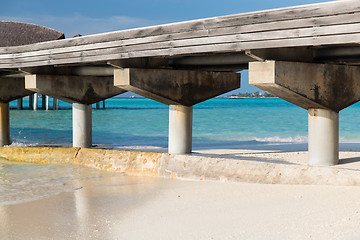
276 139
20 144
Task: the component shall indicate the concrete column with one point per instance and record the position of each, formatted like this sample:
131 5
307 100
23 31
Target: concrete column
82 125
55 104
180 129
4 124
20 103
35 101
98 105
47 102
103 104
323 137
31 101
43 99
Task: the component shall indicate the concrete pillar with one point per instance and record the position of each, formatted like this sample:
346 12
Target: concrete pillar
98 105
82 125
35 101
103 104
31 101
180 129
43 99
55 104
4 124
47 102
323 137
19 103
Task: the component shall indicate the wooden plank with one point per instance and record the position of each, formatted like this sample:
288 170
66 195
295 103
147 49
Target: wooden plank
302 12
239 37
107 48
254 34
217 48
253 28
289 24
289 13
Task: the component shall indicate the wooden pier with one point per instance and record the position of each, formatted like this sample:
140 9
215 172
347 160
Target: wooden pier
325 36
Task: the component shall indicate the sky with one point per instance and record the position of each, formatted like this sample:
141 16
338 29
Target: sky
90 17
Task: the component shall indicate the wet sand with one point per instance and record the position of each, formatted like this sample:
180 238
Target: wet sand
122 207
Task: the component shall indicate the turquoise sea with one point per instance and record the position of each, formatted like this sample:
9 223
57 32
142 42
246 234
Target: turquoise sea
218 122
139 123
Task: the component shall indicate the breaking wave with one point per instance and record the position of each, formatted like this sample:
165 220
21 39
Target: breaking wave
276 139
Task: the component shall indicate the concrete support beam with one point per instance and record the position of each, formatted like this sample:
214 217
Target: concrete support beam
4 124
180 129
181 89
322 89
73 89
323 137
176 87
12 89
308 85
82 125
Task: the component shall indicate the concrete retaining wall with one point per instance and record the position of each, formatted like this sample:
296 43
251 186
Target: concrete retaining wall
184 166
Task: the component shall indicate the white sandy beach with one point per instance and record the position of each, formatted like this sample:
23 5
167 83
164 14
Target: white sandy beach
115 206
122 207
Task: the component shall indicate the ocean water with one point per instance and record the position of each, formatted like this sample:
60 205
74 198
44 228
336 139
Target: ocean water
139 123
219 122
22 182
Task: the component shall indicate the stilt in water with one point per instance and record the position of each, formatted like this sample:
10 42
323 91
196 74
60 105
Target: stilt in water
31 101
20 104
55 104
47 102
43 99
35 101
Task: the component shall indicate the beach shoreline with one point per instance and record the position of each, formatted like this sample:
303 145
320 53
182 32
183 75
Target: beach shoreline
269 164
266 193
124 207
